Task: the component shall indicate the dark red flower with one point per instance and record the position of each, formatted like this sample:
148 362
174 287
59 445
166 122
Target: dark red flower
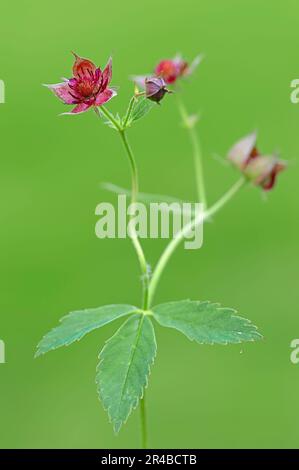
88 87
262 170
172 69
169 70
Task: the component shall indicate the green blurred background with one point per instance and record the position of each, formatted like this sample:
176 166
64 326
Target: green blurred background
51 261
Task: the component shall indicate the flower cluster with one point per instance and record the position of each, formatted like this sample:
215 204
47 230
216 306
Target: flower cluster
167 72
89 87
262 170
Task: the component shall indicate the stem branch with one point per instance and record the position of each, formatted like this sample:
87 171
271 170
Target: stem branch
197 153
185 230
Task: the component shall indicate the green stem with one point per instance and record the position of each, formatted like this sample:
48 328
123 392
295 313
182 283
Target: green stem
134 237
185 230
197 153
109 116
134 197
144 269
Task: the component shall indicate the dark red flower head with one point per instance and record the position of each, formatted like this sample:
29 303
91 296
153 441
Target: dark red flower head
170 70
262 170
88 87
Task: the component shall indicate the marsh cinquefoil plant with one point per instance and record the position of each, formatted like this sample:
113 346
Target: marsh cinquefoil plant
124 363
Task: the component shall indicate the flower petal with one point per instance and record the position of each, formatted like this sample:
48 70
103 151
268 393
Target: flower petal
107 74
64 92
80 108
105 96
194 64
139 80
243 151
168 70
83 67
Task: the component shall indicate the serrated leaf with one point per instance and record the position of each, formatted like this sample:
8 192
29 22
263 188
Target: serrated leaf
109 123
141 108
124 368
205 322
77 324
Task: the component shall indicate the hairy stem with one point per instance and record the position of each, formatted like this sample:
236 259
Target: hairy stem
197 153
185 230
134 237
109 116
134 198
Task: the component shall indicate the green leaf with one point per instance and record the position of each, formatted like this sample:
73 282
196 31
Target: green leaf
110 123
141 108
124 368
205 322
77 324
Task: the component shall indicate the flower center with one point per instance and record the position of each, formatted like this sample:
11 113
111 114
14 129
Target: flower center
85 88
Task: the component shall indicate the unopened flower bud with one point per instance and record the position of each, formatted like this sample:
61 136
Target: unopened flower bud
263 170
155 89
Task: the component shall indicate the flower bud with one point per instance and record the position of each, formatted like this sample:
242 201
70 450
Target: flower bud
155 89
243 151
263 170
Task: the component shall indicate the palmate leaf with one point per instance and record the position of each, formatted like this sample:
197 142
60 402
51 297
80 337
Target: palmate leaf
77 324
124 368
205 322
